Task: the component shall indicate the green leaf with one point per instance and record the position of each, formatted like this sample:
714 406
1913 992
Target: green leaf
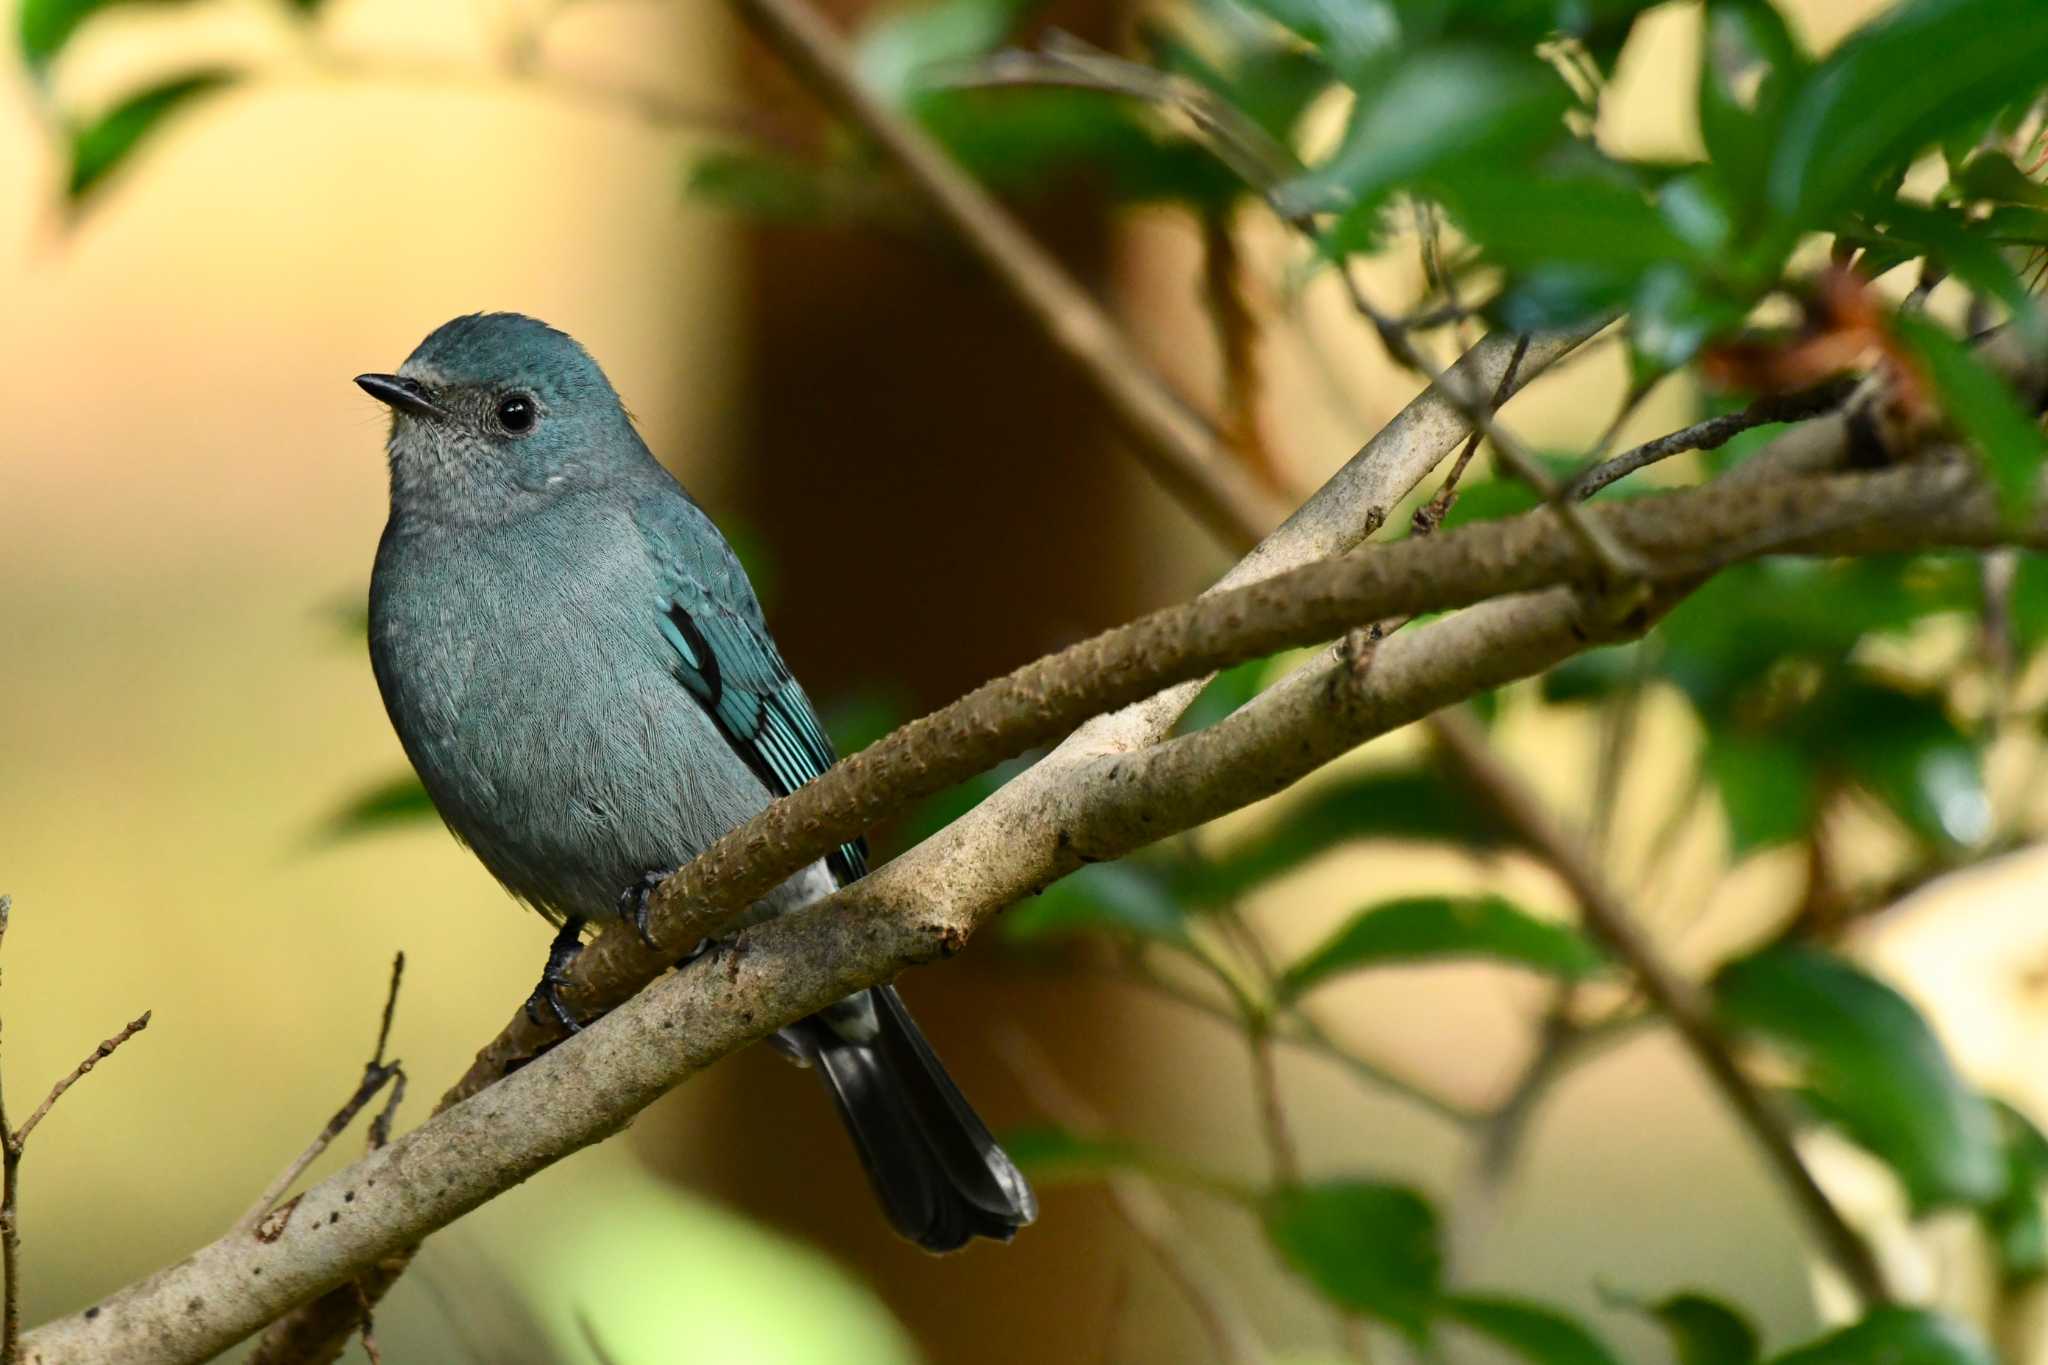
2006 437
1430 928
1896 1336
397 800
1398 803
892 54
770 186
1674 314
1724 643
1120 897
1706 1331
1029 140
855 721
1767 790
45 26
1355 37
2015 1222
1368 1247
1439 107
1597 674
1970 254
98 148
1225 692
1490 500
1991 175
1052 1153
1589 219
1874 1064
1750 65
1531 1331
1904 747
1880 97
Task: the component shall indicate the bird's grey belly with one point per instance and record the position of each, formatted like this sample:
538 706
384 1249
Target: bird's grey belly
570 762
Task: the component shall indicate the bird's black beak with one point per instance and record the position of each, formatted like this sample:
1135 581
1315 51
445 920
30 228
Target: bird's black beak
406 395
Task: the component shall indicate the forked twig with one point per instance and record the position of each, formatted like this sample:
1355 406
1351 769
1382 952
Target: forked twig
377 1073
13 1142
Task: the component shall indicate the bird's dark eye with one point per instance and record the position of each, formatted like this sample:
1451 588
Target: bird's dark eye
516 413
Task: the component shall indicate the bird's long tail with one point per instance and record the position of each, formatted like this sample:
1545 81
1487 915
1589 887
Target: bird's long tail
940 1176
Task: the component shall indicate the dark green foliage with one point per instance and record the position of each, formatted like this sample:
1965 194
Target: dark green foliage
1896 1336
1052 1154
2006 437
45 26
1768 790
1369 1247
1123 897
1530 1331
1227 691
1874 1067
100 147
1396 803
1426 928
397 800
1705 1331
1877 99
2017 1227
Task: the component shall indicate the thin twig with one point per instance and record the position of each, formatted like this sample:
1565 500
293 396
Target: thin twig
1618 565
1236 327
1299 1029
1679 999
1431 514
1178 447
377 1073
1145 1211
1255 1017
1712 434
13 1143
369 1330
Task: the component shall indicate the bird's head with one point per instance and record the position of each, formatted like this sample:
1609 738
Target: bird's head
496 414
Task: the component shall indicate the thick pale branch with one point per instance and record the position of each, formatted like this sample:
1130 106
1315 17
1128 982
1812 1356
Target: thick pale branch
1676 536
926 903
919 907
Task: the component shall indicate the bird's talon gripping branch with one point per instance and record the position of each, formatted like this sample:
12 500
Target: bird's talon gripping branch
633 908
568 942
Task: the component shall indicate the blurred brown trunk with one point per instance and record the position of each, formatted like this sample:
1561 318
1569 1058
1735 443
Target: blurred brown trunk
939 501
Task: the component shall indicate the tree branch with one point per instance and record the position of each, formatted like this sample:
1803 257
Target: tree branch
1677 536
1712 434
925 904
377 1073
13 1144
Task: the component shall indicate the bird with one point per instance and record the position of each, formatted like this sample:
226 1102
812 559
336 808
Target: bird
579 670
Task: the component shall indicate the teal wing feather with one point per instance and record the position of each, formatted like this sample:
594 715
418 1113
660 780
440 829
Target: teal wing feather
724 657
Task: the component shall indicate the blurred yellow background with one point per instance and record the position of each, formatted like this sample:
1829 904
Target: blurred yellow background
190 493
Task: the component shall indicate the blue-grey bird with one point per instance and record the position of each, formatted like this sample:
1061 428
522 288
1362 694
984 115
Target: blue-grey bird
578 669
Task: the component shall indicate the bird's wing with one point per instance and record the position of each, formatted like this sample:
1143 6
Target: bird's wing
722 655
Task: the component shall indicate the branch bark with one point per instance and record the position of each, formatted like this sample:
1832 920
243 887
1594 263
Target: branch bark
925 904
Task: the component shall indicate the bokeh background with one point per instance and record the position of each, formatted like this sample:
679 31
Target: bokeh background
190 494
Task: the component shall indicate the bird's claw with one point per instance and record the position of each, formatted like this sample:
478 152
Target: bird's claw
633 903
568 942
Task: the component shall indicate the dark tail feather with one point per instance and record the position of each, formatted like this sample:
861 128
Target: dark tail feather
940 1176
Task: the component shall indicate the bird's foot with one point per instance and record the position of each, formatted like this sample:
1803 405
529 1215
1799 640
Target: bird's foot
633 903
568 942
